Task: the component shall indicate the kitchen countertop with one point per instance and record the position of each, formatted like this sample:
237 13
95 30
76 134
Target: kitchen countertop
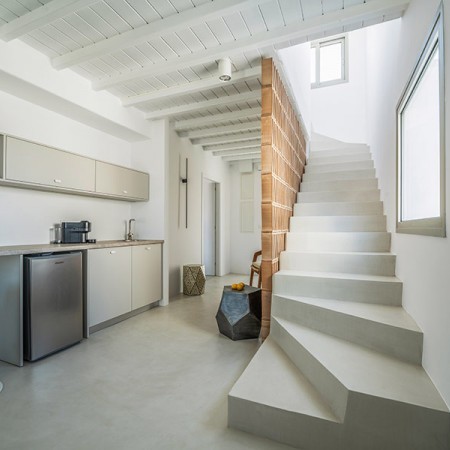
44 248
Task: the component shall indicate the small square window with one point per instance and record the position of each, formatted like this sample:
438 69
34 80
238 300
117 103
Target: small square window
328 62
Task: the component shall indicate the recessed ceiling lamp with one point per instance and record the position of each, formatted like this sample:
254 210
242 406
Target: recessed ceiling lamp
225 69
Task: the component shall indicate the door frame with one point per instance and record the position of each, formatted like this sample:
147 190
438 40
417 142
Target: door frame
218 234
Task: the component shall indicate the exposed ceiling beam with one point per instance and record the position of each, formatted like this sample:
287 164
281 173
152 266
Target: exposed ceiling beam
234 146
217 118
221 101
41 16
239 151
186 19
278 36
227 138
241 158
227 129
195 86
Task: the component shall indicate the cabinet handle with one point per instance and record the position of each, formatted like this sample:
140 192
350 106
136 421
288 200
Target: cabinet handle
112 252
148 248
57 180
125 192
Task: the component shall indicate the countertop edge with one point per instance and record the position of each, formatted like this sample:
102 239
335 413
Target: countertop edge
15 250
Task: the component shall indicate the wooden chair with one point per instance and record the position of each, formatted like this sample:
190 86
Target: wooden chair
256 268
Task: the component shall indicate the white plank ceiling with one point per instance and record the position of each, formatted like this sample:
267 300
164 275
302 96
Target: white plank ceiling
161 56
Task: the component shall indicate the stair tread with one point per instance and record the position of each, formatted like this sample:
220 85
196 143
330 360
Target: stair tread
273 380
367 371
389 315
337 275
322 252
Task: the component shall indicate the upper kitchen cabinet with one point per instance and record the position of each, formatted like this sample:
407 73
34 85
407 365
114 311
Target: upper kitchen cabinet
31 165
121 182
28 162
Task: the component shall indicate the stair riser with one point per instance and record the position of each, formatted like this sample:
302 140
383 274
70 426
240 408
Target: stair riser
337 223
338 209
340 152
320 168
382 265
364 291
374 423
394 341
334 393
338 242
313 160
340 175
339 185
293 429
339 196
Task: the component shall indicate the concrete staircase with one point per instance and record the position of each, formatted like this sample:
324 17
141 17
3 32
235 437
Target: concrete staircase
341 369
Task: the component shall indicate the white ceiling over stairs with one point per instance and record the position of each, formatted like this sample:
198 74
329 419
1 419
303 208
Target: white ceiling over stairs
160 56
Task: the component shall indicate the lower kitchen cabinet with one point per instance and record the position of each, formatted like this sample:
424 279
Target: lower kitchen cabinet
109 283
146 275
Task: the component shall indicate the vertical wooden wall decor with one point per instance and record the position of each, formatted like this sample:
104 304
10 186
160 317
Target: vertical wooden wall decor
283 157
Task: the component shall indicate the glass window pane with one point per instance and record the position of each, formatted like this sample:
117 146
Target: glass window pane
313 65
420 177
331 62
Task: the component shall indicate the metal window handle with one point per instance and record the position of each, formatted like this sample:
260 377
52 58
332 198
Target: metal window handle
57 180
112 252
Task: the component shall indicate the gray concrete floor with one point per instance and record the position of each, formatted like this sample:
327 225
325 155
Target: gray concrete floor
156 381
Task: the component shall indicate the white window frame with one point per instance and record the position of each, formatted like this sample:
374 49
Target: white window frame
433 226
317 45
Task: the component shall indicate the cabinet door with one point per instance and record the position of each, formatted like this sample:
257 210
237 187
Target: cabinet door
120 181
33 163
109 283
146 275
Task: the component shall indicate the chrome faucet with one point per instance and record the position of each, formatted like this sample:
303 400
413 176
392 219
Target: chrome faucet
130 235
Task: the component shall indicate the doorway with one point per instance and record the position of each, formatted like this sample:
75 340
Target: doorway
210 239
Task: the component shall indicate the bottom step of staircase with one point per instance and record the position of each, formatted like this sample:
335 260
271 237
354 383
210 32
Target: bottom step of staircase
274 400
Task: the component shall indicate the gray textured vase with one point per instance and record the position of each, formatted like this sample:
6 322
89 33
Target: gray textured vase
239 314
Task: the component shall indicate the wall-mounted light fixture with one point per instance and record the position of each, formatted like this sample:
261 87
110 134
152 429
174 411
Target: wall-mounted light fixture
225 69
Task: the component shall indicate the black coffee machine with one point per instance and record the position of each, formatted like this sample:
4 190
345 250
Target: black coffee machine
75 232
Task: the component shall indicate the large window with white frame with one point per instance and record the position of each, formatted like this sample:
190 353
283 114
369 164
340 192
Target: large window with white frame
421 142
329 61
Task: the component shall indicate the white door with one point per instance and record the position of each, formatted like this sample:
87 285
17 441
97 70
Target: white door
209 226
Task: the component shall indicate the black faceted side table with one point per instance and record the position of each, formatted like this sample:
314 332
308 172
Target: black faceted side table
239 314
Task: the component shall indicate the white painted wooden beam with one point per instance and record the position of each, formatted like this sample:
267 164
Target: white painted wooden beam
186 19
239 151
188 88
254 158
226 129
221 101
41 16
233 146
278 36
249 136
189 124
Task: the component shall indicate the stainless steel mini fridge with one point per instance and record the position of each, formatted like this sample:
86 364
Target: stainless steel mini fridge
53 303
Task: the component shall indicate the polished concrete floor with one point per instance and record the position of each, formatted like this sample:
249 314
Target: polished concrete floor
156 381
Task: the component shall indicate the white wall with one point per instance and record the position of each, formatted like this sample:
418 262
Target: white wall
28 215
339 111
422 262
186 244
296 63
243 245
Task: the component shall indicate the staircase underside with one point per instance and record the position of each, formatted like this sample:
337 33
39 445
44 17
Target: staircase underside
341 368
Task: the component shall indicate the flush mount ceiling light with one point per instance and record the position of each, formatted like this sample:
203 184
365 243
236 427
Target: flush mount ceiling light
225 69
